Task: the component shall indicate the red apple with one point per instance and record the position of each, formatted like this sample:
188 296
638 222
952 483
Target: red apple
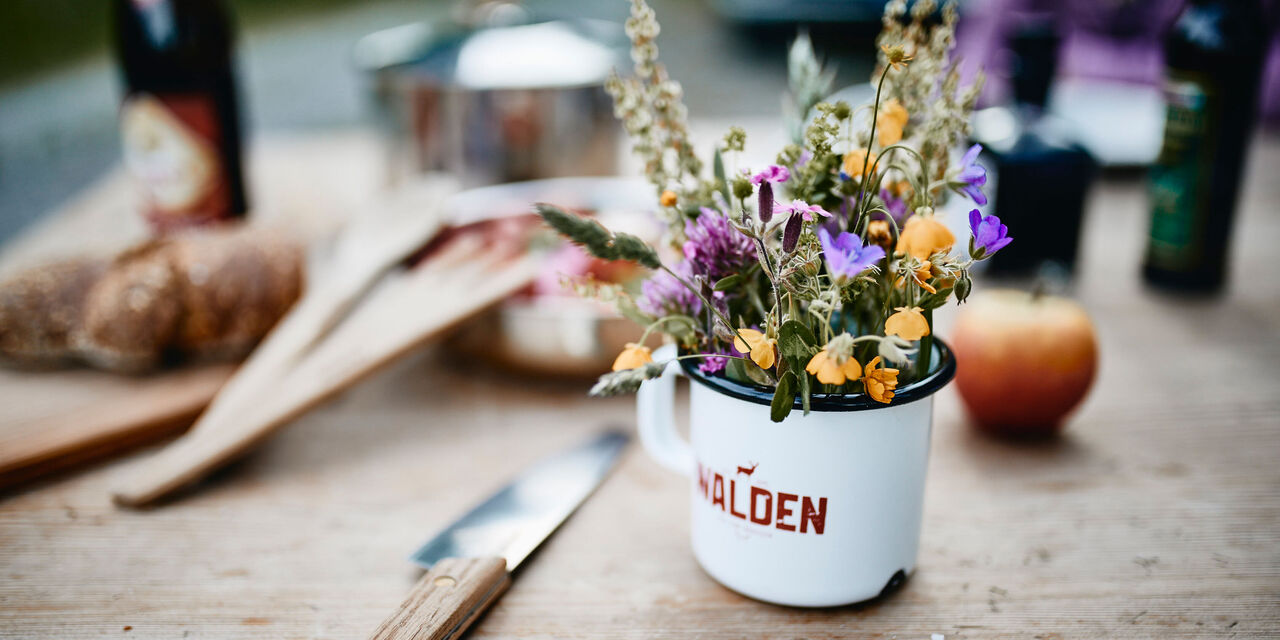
1023 362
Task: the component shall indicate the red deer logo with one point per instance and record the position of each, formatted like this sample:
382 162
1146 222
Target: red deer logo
747 471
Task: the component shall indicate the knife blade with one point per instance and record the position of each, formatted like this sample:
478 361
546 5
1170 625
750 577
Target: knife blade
470 562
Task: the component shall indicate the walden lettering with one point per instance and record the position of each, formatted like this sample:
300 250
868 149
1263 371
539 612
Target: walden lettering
785 511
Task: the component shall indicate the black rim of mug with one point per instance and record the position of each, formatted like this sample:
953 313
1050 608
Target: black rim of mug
760 394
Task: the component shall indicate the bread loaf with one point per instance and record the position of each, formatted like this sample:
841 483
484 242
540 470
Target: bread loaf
208 294
39 310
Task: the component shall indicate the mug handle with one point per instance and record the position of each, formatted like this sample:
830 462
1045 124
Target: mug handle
656 420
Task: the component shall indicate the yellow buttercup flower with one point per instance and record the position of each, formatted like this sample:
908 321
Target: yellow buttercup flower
893 110
896 56
890 123
880 383
827 368
879 233
907 323
888 132
855 163
763 350
668 198
634 355
924 236
920 275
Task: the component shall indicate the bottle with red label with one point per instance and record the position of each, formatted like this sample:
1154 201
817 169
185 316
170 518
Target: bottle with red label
179 122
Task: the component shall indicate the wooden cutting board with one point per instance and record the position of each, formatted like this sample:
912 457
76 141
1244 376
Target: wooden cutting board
52 420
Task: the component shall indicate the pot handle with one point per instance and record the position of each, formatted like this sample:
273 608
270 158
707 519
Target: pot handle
656 420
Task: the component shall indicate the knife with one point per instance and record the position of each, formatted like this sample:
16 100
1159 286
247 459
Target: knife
469 564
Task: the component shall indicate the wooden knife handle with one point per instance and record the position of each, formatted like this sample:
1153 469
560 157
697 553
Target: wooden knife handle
447 600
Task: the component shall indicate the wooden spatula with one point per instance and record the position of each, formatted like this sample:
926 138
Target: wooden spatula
405 309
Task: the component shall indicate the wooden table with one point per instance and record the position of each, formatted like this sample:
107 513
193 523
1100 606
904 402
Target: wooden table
1157 515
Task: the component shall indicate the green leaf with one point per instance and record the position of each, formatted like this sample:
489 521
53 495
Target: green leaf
797 345
717 168
746 372
756 374
796 341
934 300
728 282
783 397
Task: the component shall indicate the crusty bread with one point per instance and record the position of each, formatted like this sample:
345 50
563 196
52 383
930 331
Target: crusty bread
40 308
207 294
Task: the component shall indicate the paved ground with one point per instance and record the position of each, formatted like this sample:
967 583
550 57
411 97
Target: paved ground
58 133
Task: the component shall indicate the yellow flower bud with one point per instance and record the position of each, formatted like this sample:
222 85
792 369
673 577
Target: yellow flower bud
880 383
924 236
907 323
634 355
763 350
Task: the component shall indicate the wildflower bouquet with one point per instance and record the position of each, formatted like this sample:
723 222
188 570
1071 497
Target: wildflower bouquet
817 274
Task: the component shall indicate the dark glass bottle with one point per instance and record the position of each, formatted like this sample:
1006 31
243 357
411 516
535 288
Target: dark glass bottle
1213 58
179 122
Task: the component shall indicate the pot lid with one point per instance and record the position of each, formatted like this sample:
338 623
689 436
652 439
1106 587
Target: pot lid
551 54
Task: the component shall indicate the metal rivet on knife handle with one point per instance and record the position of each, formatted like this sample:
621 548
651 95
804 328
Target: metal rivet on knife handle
447 600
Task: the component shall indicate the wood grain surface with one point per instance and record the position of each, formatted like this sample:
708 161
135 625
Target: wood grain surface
1157 515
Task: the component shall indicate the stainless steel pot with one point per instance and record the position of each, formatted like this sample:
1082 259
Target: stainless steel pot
499 104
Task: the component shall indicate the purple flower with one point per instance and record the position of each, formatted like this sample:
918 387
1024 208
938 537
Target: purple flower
802 208
805 157
714 248
662 294
989 236
846 256
970 176
774 173
713 364
897 206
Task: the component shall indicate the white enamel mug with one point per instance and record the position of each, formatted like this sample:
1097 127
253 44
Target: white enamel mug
816 511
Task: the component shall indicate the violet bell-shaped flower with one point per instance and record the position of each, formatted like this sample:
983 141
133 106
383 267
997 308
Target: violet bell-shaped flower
846 256
969 177
897 207
989 235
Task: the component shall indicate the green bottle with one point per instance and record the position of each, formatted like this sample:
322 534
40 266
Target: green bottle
1213 57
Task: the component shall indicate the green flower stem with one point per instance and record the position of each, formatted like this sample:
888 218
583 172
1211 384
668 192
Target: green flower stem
864 203
676 316
875 113
696 292
926 348
689 356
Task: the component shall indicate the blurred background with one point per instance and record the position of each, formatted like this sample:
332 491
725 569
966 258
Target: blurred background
60 84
